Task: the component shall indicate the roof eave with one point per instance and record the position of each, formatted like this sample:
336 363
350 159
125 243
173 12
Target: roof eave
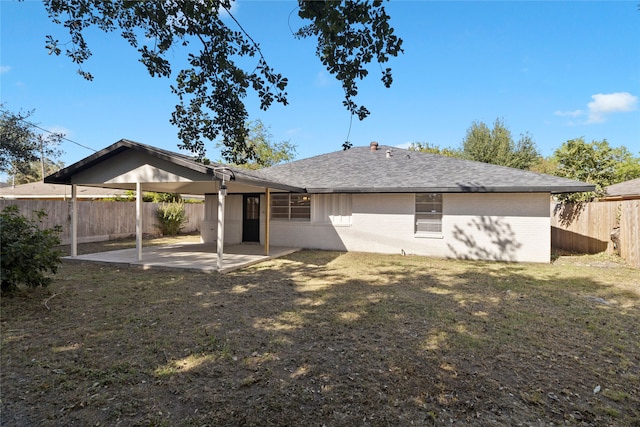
257 182
458 189
63 176
573 189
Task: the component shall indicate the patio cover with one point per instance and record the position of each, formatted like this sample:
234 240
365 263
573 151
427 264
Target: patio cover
130 165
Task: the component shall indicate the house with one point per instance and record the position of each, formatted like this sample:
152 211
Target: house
43 191
627 190
371 199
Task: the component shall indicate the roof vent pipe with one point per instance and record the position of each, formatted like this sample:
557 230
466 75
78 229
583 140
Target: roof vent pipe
388 154
373 146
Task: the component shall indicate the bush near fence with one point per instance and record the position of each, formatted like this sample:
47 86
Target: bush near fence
587 228
103 220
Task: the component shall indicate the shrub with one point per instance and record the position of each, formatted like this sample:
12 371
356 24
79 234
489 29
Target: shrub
148 196
163 197
172 217
27 251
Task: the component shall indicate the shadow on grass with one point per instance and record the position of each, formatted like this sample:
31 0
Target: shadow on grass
325 338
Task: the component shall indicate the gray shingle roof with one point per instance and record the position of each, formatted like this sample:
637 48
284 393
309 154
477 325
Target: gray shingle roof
360 170
625 189
239 175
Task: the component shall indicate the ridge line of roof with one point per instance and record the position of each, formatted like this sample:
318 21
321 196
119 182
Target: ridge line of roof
353 171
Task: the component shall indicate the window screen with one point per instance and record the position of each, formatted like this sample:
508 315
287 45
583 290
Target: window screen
428 213
291 207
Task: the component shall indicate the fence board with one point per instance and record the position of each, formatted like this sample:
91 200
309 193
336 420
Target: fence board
587 228
100 220
630 232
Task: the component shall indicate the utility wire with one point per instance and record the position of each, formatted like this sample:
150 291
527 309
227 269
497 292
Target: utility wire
48 131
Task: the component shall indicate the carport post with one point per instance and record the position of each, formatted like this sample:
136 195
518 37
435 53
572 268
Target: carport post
267 223
74 220
139 220
222 192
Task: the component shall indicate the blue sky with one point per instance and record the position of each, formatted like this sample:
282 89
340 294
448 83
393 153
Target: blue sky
555 70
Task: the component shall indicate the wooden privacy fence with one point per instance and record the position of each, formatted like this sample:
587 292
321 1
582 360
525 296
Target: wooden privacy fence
587 228
101 220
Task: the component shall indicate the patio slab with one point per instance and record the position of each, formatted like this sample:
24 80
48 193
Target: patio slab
190 256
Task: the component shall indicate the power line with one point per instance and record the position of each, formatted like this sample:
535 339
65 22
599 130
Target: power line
48 131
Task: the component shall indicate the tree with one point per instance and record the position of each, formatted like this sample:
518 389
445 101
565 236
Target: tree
596 163
21 146
17 145
546 165
27 251
268 153
425 147
33 171
629 166
350 35
496 146
524 154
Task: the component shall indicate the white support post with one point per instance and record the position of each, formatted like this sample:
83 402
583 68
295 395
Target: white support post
222 192
267 220
139 220
74 220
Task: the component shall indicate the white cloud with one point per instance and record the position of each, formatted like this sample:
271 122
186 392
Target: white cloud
576 113
603 104
4 69
607 103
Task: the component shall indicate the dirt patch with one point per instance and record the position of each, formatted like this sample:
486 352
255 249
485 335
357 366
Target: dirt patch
326 338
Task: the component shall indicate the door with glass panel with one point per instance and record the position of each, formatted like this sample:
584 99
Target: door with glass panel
251 218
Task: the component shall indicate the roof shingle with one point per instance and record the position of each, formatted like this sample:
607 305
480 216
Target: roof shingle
624 189
359 170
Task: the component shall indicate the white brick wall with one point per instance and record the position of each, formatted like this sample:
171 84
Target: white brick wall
508 227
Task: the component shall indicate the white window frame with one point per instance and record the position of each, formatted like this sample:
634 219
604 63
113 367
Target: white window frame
290 207
428 215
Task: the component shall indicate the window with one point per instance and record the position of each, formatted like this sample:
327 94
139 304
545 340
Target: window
280 206
428 213
291 207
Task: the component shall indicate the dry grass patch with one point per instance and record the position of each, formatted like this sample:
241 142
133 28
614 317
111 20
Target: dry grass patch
327 338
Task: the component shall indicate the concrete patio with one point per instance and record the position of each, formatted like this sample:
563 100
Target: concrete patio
190 256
